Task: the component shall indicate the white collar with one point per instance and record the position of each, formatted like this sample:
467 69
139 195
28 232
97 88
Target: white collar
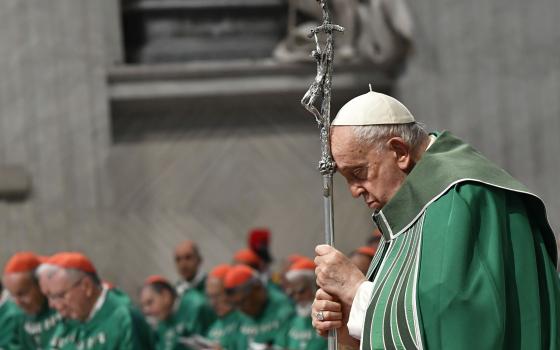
4 297
432 140
184 285
99 303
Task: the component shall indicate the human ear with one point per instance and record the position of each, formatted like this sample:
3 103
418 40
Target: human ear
401 152
88 286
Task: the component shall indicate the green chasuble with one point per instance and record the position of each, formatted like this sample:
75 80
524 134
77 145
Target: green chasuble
119 294
273 288
10 320
268 328
111 327
302 336
198 314
169 332
467 260
37 330
141 326
224 330
198 283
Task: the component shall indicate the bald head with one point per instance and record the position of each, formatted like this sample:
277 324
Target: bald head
187 259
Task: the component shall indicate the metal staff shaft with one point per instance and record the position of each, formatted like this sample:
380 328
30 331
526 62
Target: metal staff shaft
328 206
321 88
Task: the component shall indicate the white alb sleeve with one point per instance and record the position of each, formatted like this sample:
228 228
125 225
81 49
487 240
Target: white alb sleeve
358 310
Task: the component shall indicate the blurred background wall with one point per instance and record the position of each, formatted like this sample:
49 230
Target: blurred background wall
127 160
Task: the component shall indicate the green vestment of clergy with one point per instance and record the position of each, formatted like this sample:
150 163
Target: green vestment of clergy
224 330
199 314
10 321
37 330
113 326
170 331
141 326
302 336
120 295
268 328
467 260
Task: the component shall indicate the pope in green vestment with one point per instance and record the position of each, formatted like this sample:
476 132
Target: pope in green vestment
467 258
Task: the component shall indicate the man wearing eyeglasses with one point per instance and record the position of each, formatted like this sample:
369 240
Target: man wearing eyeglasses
99 319
39 320
266 314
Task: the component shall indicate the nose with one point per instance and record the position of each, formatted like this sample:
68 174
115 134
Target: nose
356 190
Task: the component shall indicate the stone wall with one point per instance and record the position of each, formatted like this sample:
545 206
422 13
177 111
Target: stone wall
125 188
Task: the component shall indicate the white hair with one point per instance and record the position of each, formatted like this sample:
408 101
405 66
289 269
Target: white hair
303 274
307 277
73 274
374 135
47 270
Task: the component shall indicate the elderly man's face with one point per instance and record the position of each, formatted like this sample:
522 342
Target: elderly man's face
71 297
25 290
45 282
156 305
217 296
301 291
250 301
374 175
187 260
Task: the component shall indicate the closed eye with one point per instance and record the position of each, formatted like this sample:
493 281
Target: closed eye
360 173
